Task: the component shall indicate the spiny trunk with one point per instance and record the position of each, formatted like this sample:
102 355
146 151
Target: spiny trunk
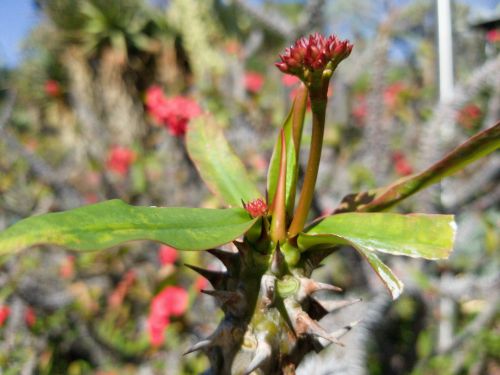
271 315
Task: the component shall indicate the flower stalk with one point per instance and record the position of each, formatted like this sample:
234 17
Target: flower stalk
313 60
278 223
318 107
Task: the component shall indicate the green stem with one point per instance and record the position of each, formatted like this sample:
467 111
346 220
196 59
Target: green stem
278 223
318 106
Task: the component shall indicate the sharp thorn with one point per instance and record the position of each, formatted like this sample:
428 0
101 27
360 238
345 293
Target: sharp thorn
310 286
203 344
222 295
342 331
215 278
277 261
232 302
316 309
262 354
230 260
241 246
311 327
314 258
332 305
322 286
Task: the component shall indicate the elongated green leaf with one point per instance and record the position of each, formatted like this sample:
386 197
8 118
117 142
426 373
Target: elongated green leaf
220 168
382 198
416 235
110 223
292 129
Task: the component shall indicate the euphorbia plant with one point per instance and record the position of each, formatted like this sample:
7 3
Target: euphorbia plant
267 292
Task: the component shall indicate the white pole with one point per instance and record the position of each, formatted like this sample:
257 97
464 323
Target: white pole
445 46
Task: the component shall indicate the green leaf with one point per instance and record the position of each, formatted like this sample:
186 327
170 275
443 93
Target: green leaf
391 281
220 168
294 120
415 235
382 198
110 223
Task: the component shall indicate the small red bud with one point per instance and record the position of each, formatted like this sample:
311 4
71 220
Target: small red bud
256 207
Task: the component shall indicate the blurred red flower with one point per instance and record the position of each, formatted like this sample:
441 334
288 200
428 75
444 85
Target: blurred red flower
289 80
167 255
493 36
469 115
171 301
52 88
116 298
200 283
30 317
360 109
119 159
401 164
67 267
156 327
4 314
173 113
392 93
253 82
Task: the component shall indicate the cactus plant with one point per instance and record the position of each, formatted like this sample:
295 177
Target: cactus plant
267 292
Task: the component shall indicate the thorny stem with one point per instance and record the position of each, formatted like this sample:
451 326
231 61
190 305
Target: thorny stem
318 107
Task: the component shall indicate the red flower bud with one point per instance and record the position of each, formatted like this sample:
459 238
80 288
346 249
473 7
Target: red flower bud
256 207
314 54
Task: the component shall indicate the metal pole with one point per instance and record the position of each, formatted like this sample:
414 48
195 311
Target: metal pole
445 56
445 46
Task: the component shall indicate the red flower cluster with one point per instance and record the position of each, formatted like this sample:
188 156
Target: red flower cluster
314 53
167 255
52 88
256 207
469 115
401 164
174 113
4 314
171 301
119 159
253 82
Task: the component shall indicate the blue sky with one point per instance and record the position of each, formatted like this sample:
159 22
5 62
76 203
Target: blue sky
17 17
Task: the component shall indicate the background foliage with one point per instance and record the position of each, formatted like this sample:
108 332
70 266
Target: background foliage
79 124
